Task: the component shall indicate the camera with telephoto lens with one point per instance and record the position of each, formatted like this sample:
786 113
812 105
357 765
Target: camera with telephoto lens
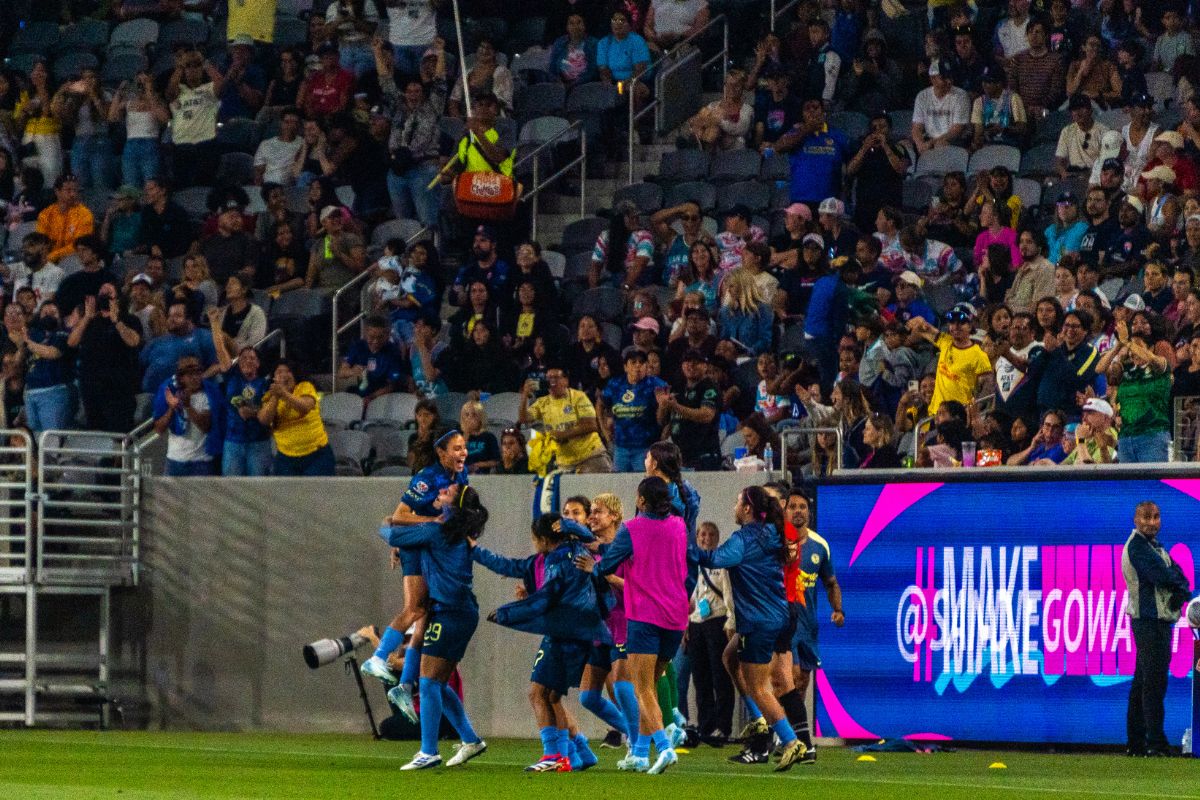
326 651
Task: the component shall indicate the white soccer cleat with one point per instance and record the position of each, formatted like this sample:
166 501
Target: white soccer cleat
401 697
665 759
467 751
423 761
376 667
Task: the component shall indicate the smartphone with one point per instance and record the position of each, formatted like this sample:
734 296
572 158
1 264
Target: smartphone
914 386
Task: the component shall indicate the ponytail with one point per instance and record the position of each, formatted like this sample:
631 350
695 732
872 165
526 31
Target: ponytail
765 510
655 497
467 517
669 460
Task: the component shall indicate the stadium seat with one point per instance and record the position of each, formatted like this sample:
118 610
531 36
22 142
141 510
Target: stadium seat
36 37
290 31
120 68
557 262
648 197
70 264
526 32
776 168
394 410
1039 161
901 123
941 160
452 128
532 66
12 245
701 192
503 407
682 166
994 155
543 129
781 194
345 195
194 200
449 404
540 100
404 229
1051 125
1030 192
577 265
238 134
754 195
390 446
852 123
188 30
792 340
69 65
137 32
236 168
732 442
1113 118
299 304
730 166
603 302
351 451
916 195
1161 86
581 235
612 335
341 410
391 471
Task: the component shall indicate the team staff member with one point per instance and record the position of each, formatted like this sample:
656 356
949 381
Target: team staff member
445 548
570 419
693 413
754 556
632 401
419 505
1157 592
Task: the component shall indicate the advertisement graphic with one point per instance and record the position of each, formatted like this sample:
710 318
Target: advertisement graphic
993 611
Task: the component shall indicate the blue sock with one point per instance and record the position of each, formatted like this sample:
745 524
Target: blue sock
566 747
431 714
627 700
549 736
412 666
680 719
390 640
641 746
603 708
751 707
586 756
452 707
661 742
783 729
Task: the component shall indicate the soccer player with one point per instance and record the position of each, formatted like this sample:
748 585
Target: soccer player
444 545
755 555
654 544
416 507
562 604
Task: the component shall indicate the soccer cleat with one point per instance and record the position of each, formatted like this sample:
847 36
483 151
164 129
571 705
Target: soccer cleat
564 765
750 756
809 757
376 667
401 697
792 753
613 739
755 727
677 735
665 759
549 764
423 761
632 763
467 751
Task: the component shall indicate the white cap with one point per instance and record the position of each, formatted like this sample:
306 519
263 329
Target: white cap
1098 404
1135 303
831 205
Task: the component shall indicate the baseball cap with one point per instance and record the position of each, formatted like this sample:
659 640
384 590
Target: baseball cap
1113 164
799 210
633 354
1135 203
814 239
142 277
1173 138
1135 303
389 264
329 211
1160 173
941 66
1098 404
430 53
1065 198
487 232
991 74
241 40
231 204
1192 218
911 278
1079 101
831 205
697 312
646 324
695 356
739 210
1142 99
379 112
957 314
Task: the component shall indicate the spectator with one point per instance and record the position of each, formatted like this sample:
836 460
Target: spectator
724 124
483 452
693 411
1141 371
1138 134
532 268
998 114
243 322
787 247
706 640
247 449
429 429
933 261
281 262
275 212
193 92
338 255
146 305
1172 43
669 22
122 220
107 338
701 276
486 266
487 76
848 413
1101 229
33 114
1034 278
962 365
623 55
584 356
479 362
1129 241
1163 209
231 251
737 234
188 408
66 220
480 307
1095 436
413 152
1079 142
573 55
570 419
1065 29
327 91
513 458
1011 34
354 22
755 257
1168 152
1046 447
1067 232
528 320
996 185
1094 77
411 30
197 288
1038 73
1110 175
34 269
888 222
291 408
758 434
949 219
42 349
873 81
824 64
1065 289
628 267
1068 367
165 226
968 63
644 332
777 110
878 168
745 316
87 282
817 153
633 402
1016 383
277 160
941 112
877 437
284 89
888 366
1156 292
828 314
81 106
161 355
1182 282
245 82
694 334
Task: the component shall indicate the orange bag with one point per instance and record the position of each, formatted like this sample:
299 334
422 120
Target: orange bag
486 195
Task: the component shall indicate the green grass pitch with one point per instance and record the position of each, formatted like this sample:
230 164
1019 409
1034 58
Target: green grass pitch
78 765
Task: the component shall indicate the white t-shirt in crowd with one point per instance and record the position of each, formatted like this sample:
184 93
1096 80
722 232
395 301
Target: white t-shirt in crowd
278 157
411 23
44 281
194 114
1008 377
189 445
939 114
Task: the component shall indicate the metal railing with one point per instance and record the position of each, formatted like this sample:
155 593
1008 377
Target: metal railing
16 507
86 531
339 329
800 432
660 74
980 403
538 184
776 13
1185 433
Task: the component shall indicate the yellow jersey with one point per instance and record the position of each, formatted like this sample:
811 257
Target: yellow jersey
958 372
560 414
299 434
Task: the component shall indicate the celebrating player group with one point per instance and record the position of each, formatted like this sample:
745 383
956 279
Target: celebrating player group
610 595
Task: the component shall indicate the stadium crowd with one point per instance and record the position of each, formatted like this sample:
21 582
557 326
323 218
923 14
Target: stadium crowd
1010 265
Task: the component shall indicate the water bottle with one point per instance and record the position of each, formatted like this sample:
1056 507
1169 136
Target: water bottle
769 457
1186 747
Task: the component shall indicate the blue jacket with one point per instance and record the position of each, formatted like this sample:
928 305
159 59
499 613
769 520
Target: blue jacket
686 505
753 330
214 440
424 487
565 606
1157 587
752 556
446 566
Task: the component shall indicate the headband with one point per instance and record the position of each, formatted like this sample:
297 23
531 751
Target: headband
461 495
445 436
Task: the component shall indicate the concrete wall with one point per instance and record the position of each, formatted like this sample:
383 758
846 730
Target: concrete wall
241 573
